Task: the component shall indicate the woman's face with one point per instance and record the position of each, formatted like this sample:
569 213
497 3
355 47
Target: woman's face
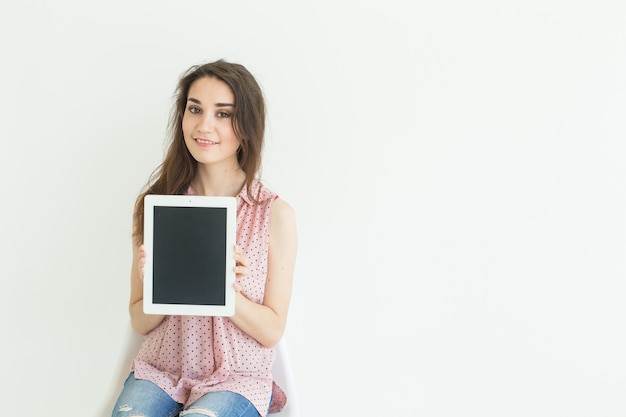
207 122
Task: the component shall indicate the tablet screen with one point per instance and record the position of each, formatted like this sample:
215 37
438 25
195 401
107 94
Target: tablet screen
188 255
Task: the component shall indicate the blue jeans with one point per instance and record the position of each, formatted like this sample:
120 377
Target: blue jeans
146 399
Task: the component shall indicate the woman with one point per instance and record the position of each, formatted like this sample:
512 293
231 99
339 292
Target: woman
208 366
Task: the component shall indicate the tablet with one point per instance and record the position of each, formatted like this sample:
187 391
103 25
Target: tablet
189 243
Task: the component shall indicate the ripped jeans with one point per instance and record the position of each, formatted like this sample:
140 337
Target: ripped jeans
141 398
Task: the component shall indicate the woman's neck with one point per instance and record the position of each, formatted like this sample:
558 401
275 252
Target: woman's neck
218 181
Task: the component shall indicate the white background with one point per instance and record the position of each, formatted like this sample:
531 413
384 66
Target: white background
457 167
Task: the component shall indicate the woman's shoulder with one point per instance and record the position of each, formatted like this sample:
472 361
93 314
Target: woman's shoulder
258 193
283 210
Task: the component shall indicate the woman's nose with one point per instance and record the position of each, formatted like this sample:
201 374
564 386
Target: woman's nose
207 124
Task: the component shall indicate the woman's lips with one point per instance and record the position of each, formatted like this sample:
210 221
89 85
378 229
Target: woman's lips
205 142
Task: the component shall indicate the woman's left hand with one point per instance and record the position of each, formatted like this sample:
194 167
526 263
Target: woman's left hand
242 265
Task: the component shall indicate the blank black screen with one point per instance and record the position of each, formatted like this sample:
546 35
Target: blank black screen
189 254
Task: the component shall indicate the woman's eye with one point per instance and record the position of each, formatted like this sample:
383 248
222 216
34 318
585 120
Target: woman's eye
194 110
223 114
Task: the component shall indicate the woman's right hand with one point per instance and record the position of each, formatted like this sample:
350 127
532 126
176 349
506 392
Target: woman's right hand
141 322
141 264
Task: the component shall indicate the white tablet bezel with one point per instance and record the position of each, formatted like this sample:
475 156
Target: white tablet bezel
154 200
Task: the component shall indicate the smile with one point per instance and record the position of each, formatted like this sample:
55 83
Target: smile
205 141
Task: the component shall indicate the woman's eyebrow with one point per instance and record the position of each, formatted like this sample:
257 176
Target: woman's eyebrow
195 100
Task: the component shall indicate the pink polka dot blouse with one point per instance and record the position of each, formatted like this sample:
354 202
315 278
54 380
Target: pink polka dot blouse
188 356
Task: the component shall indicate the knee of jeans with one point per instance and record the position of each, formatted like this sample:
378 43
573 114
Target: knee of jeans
198 411
125 408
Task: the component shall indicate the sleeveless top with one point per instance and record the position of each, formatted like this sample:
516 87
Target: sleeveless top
188 356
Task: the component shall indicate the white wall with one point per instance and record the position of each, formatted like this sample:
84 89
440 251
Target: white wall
457 168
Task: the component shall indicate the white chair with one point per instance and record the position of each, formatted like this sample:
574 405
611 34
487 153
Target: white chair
129 346
283 375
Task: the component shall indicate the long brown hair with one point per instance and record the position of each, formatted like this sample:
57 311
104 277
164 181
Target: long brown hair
178 169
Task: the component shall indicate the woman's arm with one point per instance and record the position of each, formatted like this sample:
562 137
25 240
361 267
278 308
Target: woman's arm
141 322
266 322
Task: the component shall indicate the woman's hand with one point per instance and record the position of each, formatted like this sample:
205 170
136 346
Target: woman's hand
141 322
141 264
241 269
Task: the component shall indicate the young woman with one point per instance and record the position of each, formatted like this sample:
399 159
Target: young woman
216 366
